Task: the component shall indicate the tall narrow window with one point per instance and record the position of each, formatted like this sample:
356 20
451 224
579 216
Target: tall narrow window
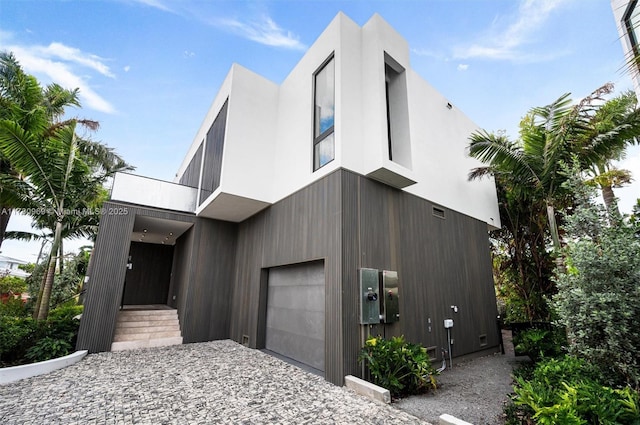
632 23
323 115
398 141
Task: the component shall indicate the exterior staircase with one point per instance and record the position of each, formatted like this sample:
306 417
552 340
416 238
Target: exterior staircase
142 328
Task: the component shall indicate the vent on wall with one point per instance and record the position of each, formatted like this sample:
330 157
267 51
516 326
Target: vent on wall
438 212
431 352
483 340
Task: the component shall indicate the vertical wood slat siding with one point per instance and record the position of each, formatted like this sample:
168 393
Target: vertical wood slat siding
209 292
147 282
181 274
440 262
305 226
191 175
213 154
104 289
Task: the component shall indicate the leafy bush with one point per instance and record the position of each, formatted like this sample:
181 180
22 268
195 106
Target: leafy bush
13 307
16 335
48 348
598 296
23 340
540 343
569 390
399 366
12 285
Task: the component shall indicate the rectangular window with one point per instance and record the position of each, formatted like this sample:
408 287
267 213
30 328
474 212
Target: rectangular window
323 115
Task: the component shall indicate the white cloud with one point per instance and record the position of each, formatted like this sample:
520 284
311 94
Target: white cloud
158 4
126 68
463 67
71 54
263 31
505 43
189 54
58 63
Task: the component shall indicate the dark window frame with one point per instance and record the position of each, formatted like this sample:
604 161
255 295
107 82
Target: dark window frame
322 136
626 20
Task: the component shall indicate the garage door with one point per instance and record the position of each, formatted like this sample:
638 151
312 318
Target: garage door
295 313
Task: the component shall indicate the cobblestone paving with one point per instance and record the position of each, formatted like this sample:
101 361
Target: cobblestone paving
217 382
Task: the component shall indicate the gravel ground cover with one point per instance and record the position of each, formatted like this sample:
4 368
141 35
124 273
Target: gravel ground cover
218 382
222 382
474 391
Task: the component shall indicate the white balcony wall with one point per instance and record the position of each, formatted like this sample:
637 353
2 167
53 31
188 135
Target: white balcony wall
153 193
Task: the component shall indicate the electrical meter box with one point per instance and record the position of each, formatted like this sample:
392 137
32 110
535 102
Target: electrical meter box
369 297
390 301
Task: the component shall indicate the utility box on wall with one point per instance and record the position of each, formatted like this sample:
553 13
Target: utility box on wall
369 297
390 301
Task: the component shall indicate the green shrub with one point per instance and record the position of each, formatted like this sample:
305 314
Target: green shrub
48 348
13 307
23 340
399 366
598 296
16 336
540 343
12 285
569 390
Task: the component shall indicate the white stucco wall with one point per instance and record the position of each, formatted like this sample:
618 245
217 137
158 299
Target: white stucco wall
268 150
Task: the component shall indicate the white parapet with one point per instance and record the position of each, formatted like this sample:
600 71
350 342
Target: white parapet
153 193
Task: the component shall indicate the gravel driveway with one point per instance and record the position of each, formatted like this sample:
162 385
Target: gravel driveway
222 382
218 382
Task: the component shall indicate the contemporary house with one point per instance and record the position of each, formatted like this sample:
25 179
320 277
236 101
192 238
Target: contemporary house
11 267
627 16
308 215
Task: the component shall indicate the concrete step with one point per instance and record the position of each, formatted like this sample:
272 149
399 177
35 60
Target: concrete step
145 323
146 329
147 343
128 316
146 335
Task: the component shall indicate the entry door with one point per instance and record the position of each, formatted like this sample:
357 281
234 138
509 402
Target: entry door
295 313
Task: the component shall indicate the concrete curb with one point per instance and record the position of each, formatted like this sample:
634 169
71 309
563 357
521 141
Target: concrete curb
367 389
451 420
15 373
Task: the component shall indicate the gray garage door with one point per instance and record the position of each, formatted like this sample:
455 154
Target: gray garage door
295 313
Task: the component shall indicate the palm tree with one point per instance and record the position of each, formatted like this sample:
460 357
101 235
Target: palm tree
616 124
23 101
55 172
551 137
530 178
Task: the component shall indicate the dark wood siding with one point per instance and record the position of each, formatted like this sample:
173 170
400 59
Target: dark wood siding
440 263
213 154
303 227
104 288
148 280
191 175
220 270
208 297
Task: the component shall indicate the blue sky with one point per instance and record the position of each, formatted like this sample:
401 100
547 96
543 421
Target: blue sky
148 70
